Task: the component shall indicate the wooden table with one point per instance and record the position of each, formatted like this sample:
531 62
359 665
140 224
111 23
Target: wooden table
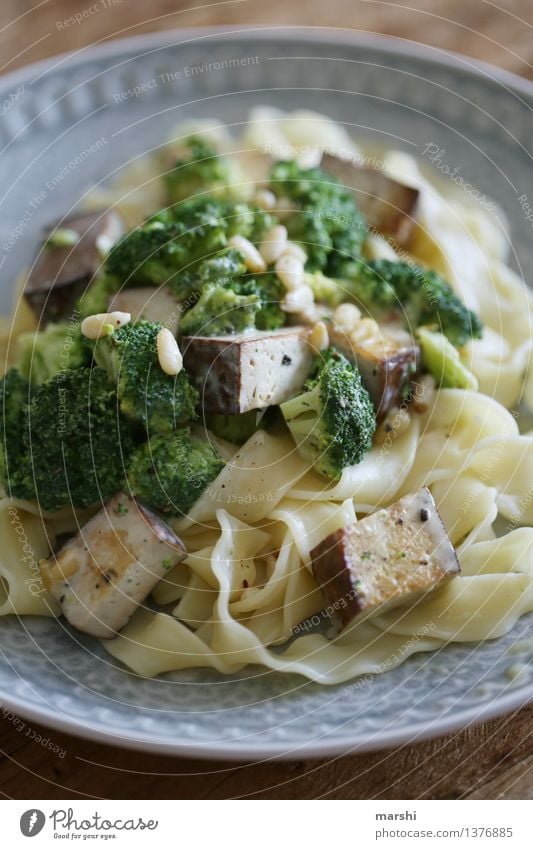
494 760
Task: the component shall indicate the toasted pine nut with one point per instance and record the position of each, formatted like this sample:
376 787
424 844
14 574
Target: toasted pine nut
346 316
319 338
365 330
292 249
265 199
290 271
297 299
284 208
103 323
168 353
273 245
251 256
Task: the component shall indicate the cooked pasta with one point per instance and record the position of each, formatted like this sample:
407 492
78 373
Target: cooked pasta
245 593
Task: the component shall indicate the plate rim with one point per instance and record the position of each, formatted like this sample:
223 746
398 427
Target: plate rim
234 750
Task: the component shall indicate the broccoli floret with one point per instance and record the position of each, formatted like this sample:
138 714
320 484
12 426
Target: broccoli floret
442 360
327 220
239 428
271 292
424 297
57 348
220 311
77 441
167 243
325 289
15 469
171 471
333 420
203 170
169 247
236 429
146 394
234 303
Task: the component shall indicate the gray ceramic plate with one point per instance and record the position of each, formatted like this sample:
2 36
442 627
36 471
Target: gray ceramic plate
63 128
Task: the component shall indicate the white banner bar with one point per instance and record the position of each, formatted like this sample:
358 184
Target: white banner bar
416 825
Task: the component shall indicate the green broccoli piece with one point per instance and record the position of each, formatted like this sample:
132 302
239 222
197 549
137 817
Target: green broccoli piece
168 242
325 289
424 297
271 291
220 311
147 395
333 420
234 303
77 442
171 471
56 348
442 360
327 220
203 170
168 248
237 429
15 469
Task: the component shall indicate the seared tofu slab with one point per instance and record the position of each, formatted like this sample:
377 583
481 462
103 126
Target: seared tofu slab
148 304
248 372
387 365
101 575
388 206
386 559
60 274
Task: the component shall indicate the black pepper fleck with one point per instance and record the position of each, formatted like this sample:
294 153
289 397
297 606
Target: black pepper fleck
285 360
424 515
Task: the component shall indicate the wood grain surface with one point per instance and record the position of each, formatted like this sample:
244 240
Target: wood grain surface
489 761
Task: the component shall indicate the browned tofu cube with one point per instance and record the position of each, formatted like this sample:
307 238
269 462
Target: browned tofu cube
252 371
390 557
387 363
388 206
60 275
105 572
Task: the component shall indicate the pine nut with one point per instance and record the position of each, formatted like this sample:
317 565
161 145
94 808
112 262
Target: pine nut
297 299
265 199
292 249
366 330
346 316
319 338
251 256
273 245
103 323
290 271
168 353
